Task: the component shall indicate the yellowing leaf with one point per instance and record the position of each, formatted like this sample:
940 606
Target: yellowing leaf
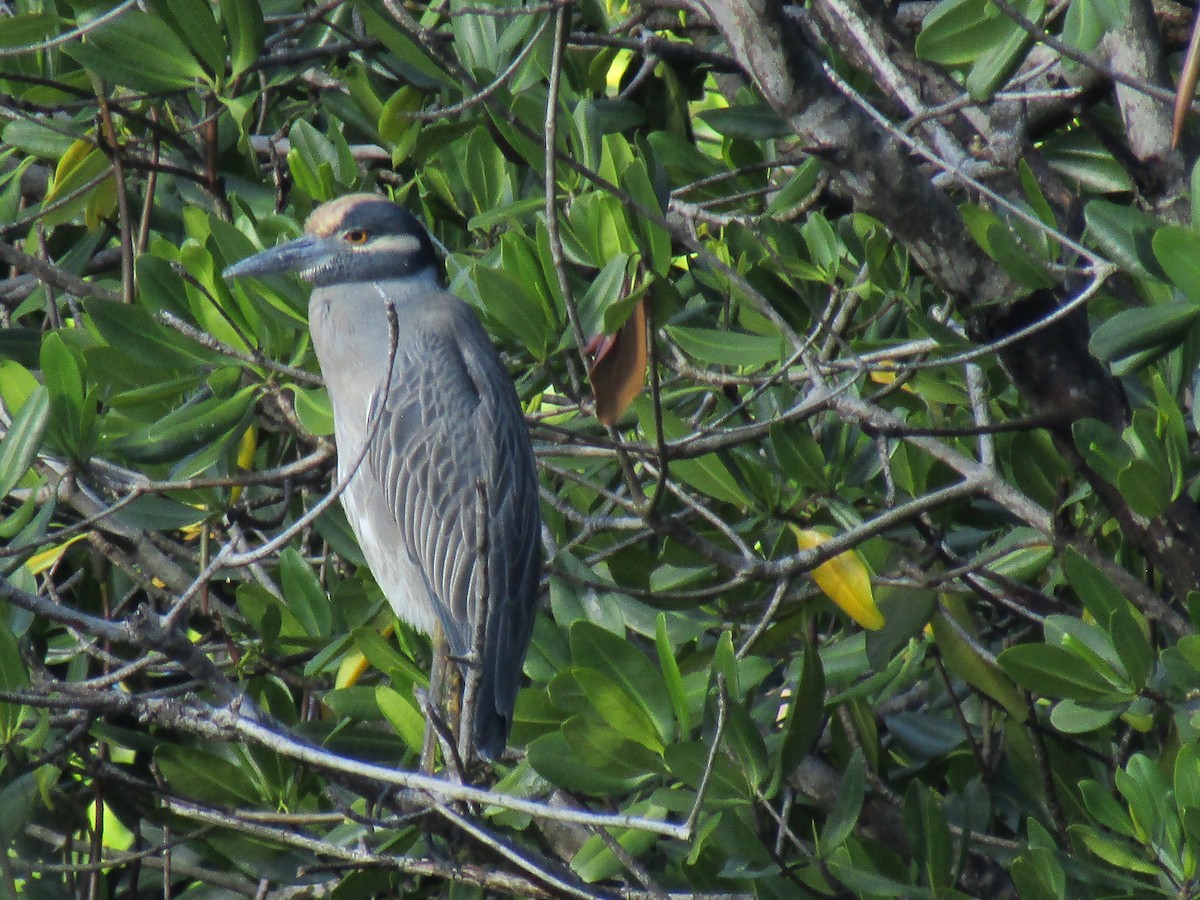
886 374
41 561
844 579
247 447
352 667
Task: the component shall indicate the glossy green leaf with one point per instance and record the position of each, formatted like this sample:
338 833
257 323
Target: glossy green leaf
596 862
1155 329
196 26
806 713
625 665
712 346
1084 160
304 595
1176 248
1001 58
188 429
1055 672
414 60
139 51
403 715
671 675
1087 21
707 474
1125 234
21 442
133 332
243 20
616 707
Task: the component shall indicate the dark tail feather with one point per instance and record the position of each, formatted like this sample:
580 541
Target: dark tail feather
491 726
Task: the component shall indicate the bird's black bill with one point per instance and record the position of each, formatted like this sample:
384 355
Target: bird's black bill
307 252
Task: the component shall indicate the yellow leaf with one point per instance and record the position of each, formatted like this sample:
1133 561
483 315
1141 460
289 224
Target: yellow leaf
352 667
845 580
355 663
41 561
247 447
886 374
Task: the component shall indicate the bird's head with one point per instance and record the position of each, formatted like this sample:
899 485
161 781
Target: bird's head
361 237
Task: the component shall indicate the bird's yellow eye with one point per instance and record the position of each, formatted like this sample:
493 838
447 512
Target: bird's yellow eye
356 236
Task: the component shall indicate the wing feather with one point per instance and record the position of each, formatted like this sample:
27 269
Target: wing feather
451 418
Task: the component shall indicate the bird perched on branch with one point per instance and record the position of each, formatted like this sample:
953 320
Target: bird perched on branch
424 408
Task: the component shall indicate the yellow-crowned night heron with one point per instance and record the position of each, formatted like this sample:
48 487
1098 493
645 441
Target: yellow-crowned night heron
449 420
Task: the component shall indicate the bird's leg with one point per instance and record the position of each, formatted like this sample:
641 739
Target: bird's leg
472 668
437 686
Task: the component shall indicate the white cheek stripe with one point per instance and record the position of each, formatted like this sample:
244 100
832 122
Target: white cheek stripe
396 243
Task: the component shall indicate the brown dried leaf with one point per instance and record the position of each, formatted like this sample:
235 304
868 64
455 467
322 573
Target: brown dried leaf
619 366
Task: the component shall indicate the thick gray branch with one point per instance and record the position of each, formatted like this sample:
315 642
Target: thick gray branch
872 168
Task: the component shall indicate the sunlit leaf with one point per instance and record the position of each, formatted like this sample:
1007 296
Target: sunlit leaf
844 578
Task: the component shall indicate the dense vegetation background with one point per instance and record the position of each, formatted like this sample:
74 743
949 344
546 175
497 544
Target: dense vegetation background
918 277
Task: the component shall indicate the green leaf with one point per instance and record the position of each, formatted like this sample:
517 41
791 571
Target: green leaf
750 123
618 708
1125 234
1087 21
1176 248
745 745
19 800
194 23
20 445
1187 777
596 862
304 595
840 822
707 474
414 60
403 715
993 67
1102 448
622 662
313 409
135 333
926 823
956 32
28 29
243 23
806 713
963 658
592 758
1104 807
1071 717
655 240
1149 330
514 306
64 380
13 677
188 429
138 51
1057 672
1084 160
197 773
1113 613
713 346
1119 854
671 675
603 291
